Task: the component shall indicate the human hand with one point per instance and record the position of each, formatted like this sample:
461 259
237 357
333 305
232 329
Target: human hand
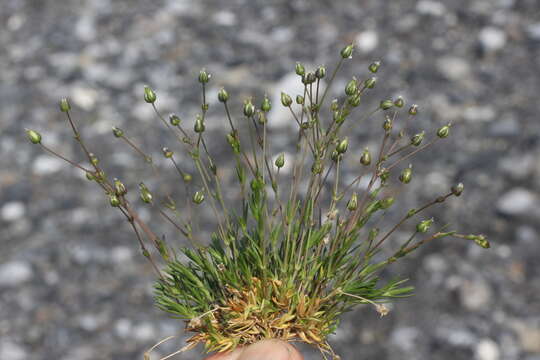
271 349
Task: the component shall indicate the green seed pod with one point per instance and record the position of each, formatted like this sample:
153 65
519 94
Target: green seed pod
416 140
320 72
335 156
119 188
353 203
342 146
423 226
386 104
352 87
457 189
347 51
199 125
411 213
399 102
354 100
33 136
266 104
481 241
93 159
223 95
234 142
261 117
149 95
406 175
444 131
374 66
373 234
204 77
64 105
280 161
387 124
146 195
365 158
384 174
286 100
145 253
167 153
117 132
187 177
413 110
387 202
317 167
198 197
309 78
90 176
249 108
300 69
299 99
174 120
114 201
370 83
334 106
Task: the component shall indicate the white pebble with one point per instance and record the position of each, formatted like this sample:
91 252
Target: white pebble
492 39
14 273
84 97
46 164
13 210
517 201
433 8
487 349
12 351
144 332
367 41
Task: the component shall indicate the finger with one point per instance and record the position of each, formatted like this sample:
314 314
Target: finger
226 356
270 350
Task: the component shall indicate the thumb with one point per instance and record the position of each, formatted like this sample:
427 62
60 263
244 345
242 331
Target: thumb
271 349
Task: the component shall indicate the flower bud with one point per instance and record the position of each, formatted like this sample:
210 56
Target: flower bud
374 66
416 140
406 175
480 240
249 108
444 131
204 77
117 132
146 195
261 117
353 203
149 95
114 201
320 72
384 174
399 102
354 100
341 148
33 136
90 176
457 189
286 100
167 153
300 69
352 87
280 161
413 110
386 104
334 106
199 125
266 104
198 197
93 159
365 158
335 156
174 120
317 167
299 99
373 234
423 226
64 105
223 95
119 188
309 78
347 51
187 177
387 124
387 202
370 83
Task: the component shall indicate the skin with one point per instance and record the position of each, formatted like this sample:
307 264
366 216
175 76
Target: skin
263 350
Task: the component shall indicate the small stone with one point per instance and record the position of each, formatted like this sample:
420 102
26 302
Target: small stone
492 39
505 127
405 338
88 322
84 97
10 350
475 294
14 273
454 68
479 113
224 18
529 336
13 210
433 8
46 164
121 254
123 328
367 41
533 31
487 349
517 201
143 332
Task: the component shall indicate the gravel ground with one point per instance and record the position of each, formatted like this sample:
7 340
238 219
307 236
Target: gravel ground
72 285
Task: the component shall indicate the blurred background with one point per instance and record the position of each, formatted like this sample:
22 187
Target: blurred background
72 282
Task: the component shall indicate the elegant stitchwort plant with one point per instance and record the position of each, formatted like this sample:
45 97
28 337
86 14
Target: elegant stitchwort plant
300 248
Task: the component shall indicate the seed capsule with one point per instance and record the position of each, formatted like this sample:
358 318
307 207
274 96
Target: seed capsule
370 83
187 177
64 105
341 148
280 161
387 124
249 108
167 153
480 240
33 136
309 78
114 201
146 195
174 120
374 66
416 140
457 189
198 197
413 110
399 102
386 104
93 159
335 156
300 69
423 226
286 100
119 188
117 132
406 175
320 72
334 106
444 131
387 202
204 77
353 203
352 87
223 95
347 51
354 100
266 104
199 125
299 99
365 159
149 95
